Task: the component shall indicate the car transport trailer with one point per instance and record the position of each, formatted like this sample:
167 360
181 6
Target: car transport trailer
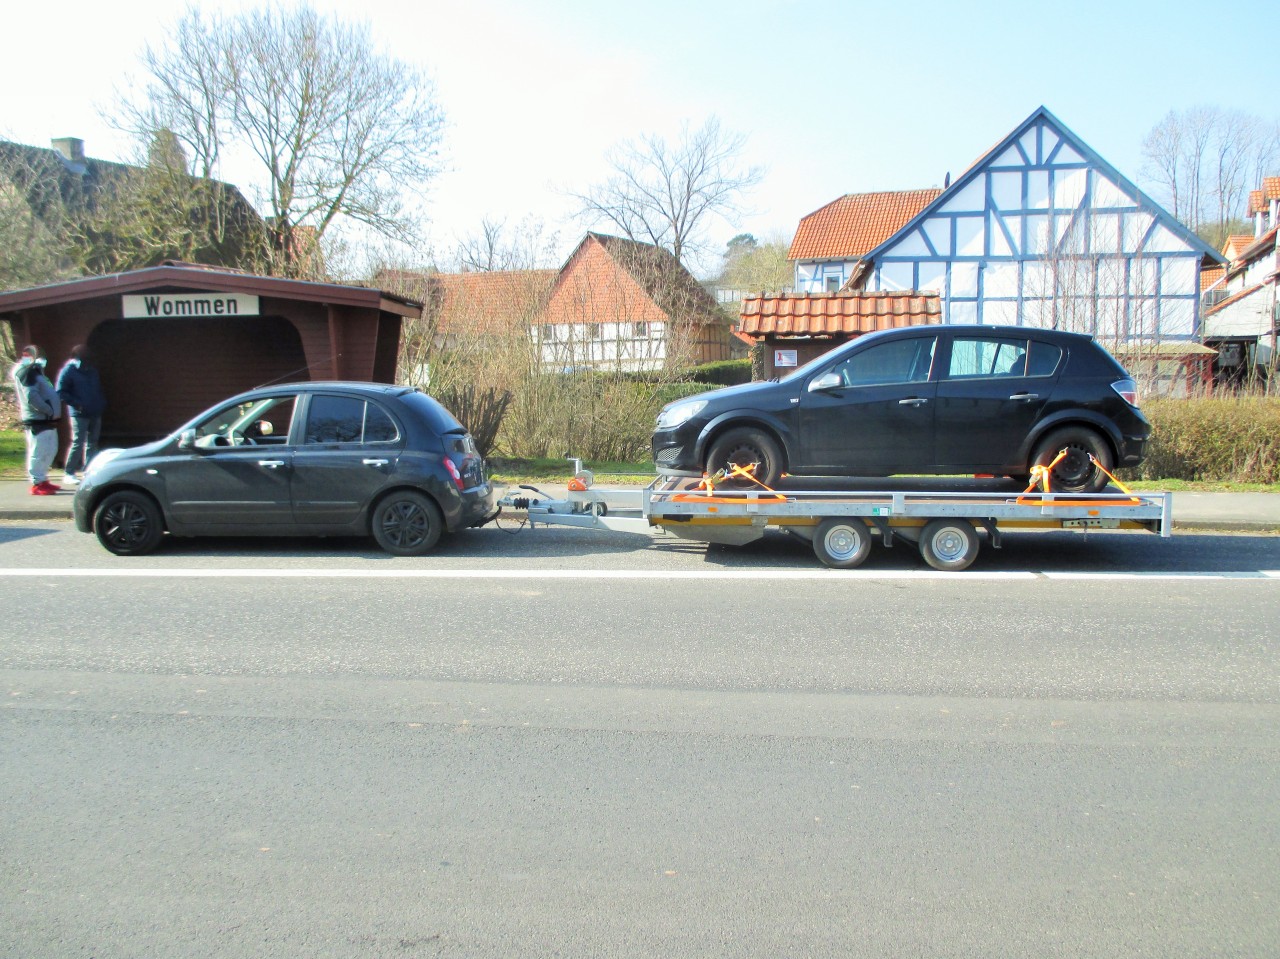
945 526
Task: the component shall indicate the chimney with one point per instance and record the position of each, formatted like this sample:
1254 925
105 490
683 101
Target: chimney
72 149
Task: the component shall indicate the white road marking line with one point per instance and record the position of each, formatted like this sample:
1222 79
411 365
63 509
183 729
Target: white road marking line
620 574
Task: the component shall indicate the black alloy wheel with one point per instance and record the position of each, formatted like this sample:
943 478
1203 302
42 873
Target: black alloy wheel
407 523
128 523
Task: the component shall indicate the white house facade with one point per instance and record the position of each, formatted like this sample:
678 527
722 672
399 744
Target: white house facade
1041 231
1242 321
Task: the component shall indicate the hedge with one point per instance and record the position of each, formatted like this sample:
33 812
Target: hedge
1232 439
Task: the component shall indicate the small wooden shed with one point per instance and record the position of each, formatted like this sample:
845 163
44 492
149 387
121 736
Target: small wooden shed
798 327
171 340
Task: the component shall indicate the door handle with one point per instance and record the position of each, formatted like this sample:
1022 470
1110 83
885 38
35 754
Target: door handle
1024 397
913 401
271 464
375 462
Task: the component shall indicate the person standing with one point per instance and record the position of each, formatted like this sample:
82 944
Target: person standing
80 389
39 408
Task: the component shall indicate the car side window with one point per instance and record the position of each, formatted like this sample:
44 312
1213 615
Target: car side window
263 422
899 361
345 419
379 427
977 356
1044 359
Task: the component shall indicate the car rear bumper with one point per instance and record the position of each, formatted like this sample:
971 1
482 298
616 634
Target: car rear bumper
1135 450
479 505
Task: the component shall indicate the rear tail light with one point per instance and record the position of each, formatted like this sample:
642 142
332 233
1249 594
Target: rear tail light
453 471
1128 391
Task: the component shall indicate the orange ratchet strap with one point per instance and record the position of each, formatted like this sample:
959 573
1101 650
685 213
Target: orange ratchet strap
733 471
1040 475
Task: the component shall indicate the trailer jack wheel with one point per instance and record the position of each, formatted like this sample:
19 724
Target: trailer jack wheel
949 544
842 543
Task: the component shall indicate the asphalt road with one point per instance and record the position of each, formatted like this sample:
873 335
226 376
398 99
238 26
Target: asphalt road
562 742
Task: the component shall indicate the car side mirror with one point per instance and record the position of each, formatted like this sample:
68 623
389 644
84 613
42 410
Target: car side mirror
827 381
186 439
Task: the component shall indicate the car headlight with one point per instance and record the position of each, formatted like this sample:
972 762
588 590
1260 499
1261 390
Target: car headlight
679 413
101 459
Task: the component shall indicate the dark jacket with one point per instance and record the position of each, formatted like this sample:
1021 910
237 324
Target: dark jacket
81 390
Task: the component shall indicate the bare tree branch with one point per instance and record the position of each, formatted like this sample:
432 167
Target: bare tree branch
667 194
1204 161
342 132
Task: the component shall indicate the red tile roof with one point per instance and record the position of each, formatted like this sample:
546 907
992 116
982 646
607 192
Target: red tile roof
855 224
1237 244
1211 275
1271 187
1260 247
816 314
475 302
609 279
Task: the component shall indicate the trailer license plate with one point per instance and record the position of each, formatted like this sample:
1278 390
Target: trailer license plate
1090 524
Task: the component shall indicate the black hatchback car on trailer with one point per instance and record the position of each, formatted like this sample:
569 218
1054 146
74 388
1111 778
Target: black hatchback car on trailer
925 399
303 459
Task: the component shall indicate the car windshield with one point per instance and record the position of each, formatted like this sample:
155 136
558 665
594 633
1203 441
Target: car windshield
801 372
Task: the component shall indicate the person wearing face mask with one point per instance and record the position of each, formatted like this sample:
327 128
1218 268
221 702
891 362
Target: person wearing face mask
80 390
39 408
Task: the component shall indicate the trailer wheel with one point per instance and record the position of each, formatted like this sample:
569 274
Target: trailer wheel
949 544
842 543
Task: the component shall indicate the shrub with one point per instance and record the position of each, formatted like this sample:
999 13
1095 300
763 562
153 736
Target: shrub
479 410
597 417
1232 439
722 373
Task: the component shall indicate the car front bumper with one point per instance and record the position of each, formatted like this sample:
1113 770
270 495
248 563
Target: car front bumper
676 450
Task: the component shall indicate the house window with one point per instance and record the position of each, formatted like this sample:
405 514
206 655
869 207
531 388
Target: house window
833 284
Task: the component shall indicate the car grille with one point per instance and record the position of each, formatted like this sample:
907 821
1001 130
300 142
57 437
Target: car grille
668 455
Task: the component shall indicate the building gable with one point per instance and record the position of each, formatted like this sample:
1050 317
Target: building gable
1043 231
619 303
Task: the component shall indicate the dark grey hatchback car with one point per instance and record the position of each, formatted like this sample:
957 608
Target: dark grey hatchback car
303 459
931 400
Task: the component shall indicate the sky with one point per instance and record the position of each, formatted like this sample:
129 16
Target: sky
832 97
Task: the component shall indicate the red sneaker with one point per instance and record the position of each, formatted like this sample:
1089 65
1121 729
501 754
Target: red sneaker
43 489
49 488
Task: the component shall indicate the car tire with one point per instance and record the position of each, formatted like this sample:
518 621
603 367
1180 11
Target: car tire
744 446
407 523
949 545
842 542
1074 473
128 523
